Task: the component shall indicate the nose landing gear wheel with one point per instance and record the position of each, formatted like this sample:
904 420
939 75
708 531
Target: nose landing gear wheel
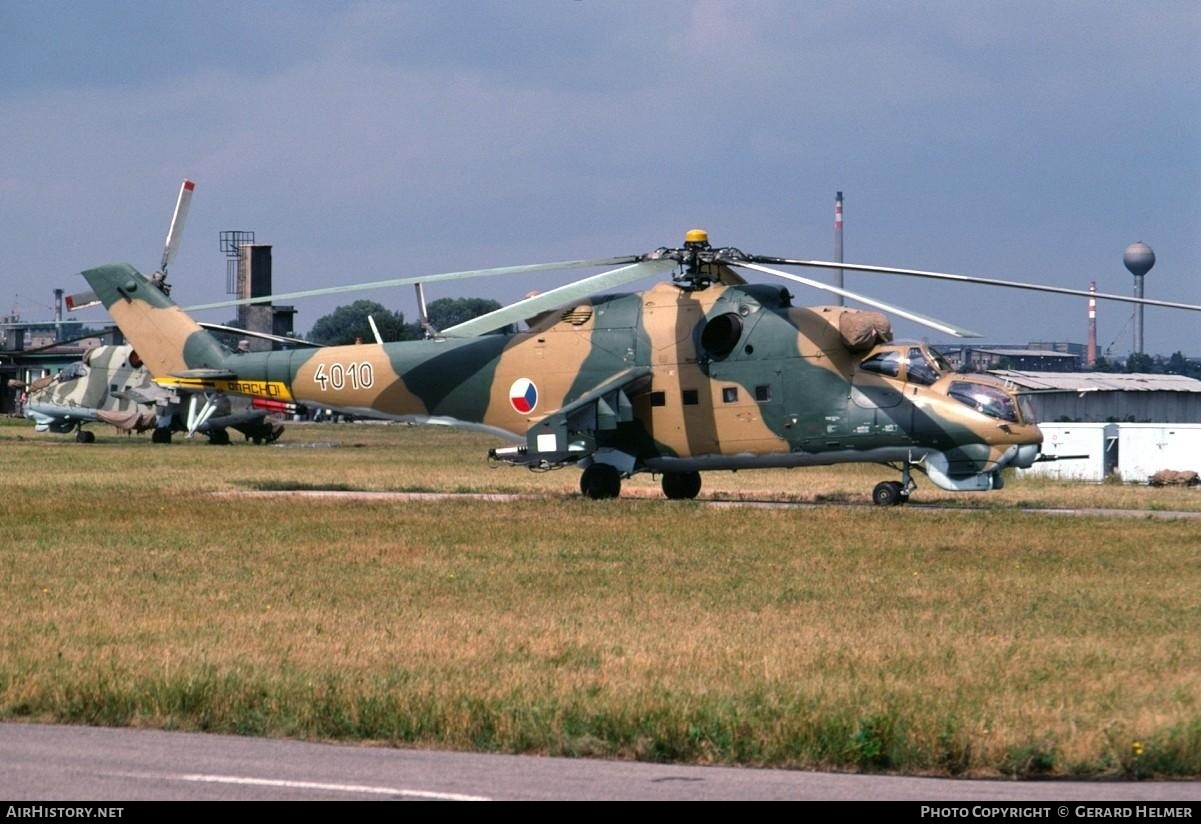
889 493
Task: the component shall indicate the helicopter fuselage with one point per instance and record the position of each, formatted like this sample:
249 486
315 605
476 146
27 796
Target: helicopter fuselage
674 380
726 377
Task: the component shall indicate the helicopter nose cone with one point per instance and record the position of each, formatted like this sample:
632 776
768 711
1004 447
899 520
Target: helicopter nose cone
1026 456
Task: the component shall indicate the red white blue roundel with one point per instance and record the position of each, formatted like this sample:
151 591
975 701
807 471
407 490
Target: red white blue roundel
523 394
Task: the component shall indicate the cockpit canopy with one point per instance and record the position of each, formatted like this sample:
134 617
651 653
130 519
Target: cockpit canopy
991 400
72 371
917 364
910 362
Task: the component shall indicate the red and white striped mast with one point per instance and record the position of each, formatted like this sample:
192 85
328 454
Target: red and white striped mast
838 242
1090 358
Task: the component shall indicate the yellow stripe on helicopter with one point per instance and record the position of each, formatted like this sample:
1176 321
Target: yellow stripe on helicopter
275 390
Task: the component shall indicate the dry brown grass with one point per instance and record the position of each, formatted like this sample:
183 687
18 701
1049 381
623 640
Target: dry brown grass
852 637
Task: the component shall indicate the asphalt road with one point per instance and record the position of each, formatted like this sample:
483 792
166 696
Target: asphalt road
53 763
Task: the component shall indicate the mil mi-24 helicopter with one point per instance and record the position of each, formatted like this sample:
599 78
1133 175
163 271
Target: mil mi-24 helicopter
110 384
702 372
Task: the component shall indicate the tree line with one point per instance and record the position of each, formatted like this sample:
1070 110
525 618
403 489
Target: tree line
1142 363
348 324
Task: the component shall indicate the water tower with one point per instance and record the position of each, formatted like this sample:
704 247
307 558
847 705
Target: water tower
1138 259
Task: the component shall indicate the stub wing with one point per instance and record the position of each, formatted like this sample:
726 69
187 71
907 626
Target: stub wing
53 417
576 430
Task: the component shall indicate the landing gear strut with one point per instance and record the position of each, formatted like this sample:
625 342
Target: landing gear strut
894 493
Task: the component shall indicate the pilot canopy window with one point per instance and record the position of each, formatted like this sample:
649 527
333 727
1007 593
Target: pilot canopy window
885 363
918 369
72 372
986 399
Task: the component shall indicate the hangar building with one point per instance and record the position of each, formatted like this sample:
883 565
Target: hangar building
1106 396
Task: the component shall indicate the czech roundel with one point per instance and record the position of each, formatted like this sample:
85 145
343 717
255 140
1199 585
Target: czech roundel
523 395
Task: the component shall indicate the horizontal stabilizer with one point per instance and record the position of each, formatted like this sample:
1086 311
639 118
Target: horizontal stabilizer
205 374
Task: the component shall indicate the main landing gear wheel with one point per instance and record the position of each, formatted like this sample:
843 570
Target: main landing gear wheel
889 493
600 481
680 486
84 436
162 435
219 437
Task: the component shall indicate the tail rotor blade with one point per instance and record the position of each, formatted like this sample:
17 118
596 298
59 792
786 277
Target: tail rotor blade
81 300
177 222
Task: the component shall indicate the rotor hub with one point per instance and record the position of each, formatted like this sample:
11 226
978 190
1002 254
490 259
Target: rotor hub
700 263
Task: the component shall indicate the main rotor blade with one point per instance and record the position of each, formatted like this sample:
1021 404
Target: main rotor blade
383 284
246 333
1011 284
555 298
177 221
933 323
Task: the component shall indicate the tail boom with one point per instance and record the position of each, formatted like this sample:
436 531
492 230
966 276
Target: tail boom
166 339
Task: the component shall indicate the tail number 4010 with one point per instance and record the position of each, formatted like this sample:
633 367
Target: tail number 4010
337 376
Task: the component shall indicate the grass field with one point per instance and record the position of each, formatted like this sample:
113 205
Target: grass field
143 586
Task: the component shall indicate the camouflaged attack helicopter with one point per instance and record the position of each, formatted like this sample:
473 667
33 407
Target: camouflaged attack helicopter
111 385
701 372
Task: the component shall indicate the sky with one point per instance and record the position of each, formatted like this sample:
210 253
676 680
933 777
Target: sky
1021 140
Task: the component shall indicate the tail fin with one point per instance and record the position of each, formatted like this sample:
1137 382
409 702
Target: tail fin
166 339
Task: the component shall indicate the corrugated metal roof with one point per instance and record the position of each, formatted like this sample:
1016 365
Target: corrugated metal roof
1097 381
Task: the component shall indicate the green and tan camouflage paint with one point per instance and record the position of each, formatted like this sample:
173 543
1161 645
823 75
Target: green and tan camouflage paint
789 392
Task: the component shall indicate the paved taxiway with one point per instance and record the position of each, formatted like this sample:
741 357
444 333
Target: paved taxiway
49 763
498 497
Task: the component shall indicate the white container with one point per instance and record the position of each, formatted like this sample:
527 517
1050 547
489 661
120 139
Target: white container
1093 445
1146 448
